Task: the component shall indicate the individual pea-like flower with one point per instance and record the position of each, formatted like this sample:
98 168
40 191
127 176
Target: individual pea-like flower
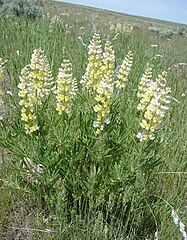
154 104
124 71
66 88
104 91
93 73
36 82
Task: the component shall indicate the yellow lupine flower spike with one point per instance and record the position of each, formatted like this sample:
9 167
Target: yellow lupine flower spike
124 70
104 90
35 82
93 73
154 104
108 66
66 88
145 82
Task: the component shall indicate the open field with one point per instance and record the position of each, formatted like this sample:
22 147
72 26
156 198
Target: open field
65 180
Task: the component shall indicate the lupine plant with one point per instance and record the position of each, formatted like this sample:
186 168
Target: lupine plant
71 136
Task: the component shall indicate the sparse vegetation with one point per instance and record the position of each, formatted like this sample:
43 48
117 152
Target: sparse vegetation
72 166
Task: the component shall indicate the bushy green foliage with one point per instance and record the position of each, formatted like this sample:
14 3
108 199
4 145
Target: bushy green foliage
92 172
89 186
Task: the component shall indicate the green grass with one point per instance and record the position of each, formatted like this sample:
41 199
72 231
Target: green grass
120 202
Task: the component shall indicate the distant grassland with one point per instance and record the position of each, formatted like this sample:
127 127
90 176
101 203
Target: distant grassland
93 187
103 20
84 11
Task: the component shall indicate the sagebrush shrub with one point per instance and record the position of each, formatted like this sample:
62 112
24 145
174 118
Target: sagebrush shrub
24 8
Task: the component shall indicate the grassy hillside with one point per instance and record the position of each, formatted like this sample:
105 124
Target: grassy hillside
86 11
97 16
65 180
